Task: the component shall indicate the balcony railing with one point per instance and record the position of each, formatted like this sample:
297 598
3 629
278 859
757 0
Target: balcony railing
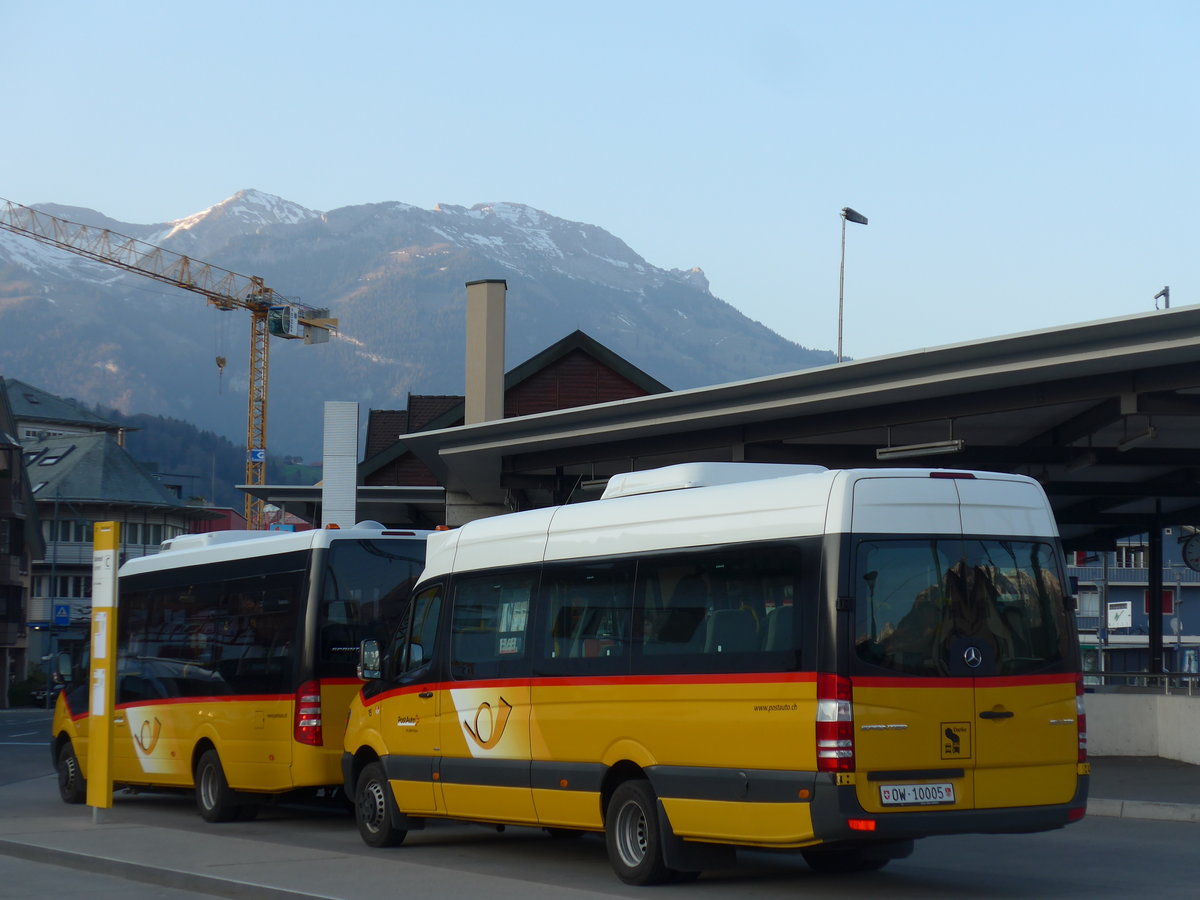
73 553
1115 575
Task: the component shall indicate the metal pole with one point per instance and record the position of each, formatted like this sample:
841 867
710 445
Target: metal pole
1155 586
841 287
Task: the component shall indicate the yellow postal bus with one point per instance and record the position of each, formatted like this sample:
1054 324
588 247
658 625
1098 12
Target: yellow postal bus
236 658
724 655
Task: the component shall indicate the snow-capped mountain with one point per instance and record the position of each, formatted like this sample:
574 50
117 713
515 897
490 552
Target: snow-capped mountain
392 273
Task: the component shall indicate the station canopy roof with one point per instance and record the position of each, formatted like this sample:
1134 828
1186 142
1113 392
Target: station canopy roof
1105 414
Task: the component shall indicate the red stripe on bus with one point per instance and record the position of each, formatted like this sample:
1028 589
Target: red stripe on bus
219 698
602 681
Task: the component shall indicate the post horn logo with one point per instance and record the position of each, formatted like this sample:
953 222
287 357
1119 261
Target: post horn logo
147 736
487 732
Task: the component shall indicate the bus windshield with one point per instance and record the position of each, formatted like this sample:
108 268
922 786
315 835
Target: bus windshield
365 587
922 604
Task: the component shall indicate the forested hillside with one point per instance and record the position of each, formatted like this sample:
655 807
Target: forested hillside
211 464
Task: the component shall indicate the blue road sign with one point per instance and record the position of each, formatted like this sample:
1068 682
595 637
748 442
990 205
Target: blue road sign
62 614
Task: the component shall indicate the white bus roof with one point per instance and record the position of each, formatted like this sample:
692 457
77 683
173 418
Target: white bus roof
658 510
217 546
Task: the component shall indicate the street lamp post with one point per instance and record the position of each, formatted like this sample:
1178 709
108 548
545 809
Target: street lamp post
859 219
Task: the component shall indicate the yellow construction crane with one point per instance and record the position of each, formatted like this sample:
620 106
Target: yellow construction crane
270 313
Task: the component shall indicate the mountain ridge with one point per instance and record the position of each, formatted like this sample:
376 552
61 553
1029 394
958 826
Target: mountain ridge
392 273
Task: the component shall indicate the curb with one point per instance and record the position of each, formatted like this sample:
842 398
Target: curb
168 878
1144 809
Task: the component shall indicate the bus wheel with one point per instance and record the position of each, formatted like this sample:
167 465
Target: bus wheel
844 860
214 799
374 808
72 786
632 837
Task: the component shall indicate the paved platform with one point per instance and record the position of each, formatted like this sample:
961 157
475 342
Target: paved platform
131 841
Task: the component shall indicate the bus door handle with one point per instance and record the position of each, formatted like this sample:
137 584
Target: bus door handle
425 695
996 714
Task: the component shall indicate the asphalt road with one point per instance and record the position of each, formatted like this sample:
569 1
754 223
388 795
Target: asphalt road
1097 858
24 744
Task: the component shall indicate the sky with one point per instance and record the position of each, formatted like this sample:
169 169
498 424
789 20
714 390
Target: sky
1023 165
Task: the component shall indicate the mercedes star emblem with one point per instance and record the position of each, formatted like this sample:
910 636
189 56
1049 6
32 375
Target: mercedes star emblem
972 657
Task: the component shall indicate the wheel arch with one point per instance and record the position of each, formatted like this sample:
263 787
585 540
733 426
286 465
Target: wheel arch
620 772
202 746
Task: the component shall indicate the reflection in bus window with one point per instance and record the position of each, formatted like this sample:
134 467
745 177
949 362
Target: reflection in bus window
921 602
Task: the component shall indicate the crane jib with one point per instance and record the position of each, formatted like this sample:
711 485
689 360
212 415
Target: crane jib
270 313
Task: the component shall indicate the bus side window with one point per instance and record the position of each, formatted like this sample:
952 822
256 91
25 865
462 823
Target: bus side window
488 633
588 616
416 647
697 609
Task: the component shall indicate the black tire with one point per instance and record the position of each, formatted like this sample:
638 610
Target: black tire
215 801
632 837
375 809
844 860
72 786
248 812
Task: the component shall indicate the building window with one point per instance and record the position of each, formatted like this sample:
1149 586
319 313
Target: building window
1130 557
52 456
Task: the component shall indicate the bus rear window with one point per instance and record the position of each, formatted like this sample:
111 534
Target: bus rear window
366 588
921 603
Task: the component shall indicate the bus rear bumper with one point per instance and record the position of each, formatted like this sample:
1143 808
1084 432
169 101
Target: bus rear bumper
838 816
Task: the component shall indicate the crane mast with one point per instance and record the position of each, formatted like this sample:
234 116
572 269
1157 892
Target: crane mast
270 313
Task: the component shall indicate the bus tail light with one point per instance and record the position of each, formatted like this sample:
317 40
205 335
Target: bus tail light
835 724
308 714
1081 719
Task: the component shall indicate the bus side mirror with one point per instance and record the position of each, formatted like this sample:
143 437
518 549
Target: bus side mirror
368 661
64 667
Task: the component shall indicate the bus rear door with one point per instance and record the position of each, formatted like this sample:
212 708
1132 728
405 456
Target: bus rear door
963 670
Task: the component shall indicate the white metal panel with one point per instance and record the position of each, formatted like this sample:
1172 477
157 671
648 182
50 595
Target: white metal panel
699 474
904 502
264 543
888 501
1008 505
752 511
439 552
510 540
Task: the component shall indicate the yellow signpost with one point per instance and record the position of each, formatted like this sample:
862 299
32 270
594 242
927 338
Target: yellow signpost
102 673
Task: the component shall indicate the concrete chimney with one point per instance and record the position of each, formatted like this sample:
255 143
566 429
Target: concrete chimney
485 351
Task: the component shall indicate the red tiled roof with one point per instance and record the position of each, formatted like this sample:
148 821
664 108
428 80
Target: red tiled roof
384 426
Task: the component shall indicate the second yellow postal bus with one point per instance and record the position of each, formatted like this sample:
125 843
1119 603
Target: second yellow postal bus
236 656
733 655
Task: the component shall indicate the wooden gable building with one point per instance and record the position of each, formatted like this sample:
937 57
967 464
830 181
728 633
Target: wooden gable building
575 371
